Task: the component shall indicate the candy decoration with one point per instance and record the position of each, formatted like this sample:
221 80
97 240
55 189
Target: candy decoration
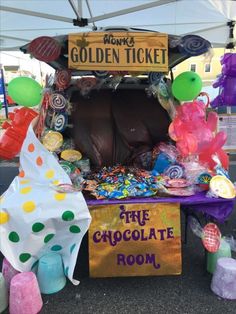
180 192
211 237
57 102
222 187
86 83
174 172
71 155
154 78
204 178
66 188
101 74
67 166
52 140
62 78
176 183
60 122
45 48
193 45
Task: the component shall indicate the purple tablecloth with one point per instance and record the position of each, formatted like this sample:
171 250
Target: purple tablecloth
218 208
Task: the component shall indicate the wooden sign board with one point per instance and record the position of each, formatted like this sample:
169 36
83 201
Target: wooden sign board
139 239
118 51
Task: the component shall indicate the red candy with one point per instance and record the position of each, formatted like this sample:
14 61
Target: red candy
45 48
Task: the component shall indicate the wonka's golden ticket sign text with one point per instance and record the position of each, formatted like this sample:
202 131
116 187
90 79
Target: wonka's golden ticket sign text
125 51
135 240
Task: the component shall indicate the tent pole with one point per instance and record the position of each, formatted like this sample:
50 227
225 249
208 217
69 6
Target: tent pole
74 9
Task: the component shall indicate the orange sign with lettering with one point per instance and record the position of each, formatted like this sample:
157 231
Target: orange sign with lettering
118 51
135 240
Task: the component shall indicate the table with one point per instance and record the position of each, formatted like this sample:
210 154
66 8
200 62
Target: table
217 208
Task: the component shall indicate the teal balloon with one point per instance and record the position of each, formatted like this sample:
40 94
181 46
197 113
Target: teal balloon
25 91
187 86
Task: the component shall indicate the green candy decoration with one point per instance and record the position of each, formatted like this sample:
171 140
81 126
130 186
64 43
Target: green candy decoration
187 86
25 91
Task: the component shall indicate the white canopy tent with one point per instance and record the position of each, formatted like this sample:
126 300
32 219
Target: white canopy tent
23 21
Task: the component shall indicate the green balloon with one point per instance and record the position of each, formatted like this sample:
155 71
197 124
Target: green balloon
187 86
25 91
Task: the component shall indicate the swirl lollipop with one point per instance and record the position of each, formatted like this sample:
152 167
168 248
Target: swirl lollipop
57 102
62 79
193 45
175 172
154 77
60 122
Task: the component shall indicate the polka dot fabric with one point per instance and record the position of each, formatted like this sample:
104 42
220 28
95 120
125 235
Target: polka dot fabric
34 218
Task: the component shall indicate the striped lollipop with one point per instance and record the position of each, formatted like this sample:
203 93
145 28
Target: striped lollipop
45 48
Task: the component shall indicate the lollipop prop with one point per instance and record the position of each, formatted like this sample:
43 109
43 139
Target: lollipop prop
210 234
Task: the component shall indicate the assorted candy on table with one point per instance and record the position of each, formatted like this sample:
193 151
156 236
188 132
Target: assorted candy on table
121 182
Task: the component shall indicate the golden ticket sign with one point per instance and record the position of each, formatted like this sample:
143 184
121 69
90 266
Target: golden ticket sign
135 240
125 51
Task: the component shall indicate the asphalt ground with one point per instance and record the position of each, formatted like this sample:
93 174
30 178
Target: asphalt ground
188 293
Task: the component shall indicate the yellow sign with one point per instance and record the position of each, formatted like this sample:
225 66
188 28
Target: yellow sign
125 51
135 240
